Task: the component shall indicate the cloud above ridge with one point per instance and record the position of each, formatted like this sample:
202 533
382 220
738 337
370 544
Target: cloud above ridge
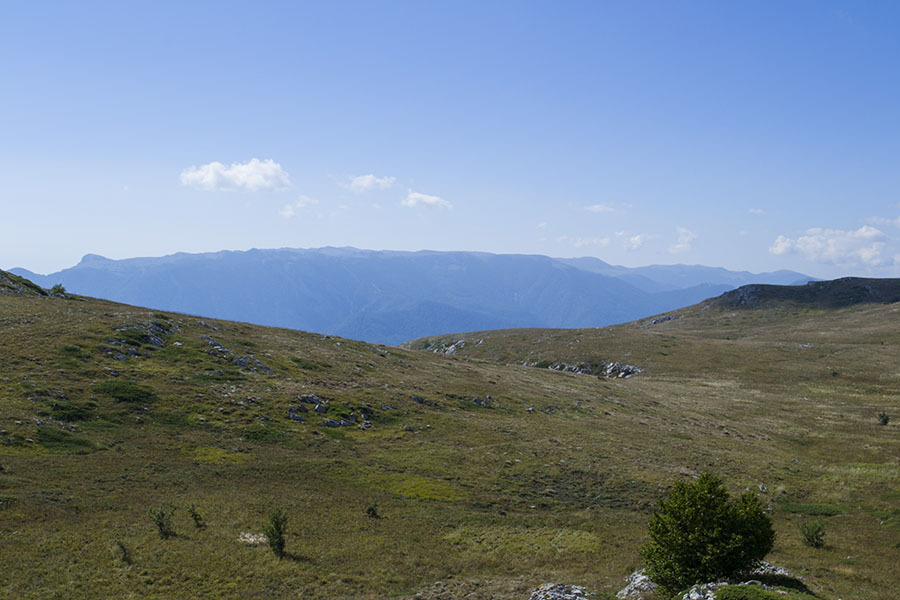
864 246
252 176
686 238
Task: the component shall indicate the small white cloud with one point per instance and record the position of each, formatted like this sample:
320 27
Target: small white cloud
290 210
252 176
686 237
366 183
633 241
601 242
756 211
863 246
599 208
414 199
542 225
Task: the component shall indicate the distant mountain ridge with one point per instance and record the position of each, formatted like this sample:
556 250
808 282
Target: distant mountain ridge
390 296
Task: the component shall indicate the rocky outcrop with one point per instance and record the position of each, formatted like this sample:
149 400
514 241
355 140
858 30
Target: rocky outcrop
614 369
764 575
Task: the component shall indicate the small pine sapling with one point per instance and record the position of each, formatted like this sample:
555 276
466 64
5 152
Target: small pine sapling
274 528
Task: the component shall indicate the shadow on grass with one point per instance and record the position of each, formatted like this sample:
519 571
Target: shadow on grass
297 558
785 581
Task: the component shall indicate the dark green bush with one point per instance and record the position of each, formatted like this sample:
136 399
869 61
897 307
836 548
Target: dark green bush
126 391
274 528
883 418
699 534
813 533
372 510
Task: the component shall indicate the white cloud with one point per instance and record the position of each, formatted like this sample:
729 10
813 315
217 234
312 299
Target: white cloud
542 225
252 176
633 242
883 221
756 211
290 210
417 199
599 208
863 246
366 183
686 237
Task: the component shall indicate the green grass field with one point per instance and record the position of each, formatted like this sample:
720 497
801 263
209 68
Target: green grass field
490 476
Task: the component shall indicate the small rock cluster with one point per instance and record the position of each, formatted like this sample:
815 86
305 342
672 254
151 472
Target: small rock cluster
559 591
618 369
639 586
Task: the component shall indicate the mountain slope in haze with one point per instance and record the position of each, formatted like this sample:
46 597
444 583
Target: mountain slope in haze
660 278
488 478
389 297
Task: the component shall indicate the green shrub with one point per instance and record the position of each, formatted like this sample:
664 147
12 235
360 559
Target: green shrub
274 528
162 518
698 534
58 289
199 523
126 391
883 418
372 510
813 533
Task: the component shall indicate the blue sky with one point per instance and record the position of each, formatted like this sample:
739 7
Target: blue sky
753 135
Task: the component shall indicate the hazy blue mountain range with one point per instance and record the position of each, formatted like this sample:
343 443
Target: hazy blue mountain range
390 297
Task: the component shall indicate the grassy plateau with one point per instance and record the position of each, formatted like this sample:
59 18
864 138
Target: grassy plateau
478 474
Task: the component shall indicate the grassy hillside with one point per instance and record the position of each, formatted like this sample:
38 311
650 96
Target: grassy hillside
488 476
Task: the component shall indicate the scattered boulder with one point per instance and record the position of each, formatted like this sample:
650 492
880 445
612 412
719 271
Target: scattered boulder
559 591
662 319
251 364
215 347
311 399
